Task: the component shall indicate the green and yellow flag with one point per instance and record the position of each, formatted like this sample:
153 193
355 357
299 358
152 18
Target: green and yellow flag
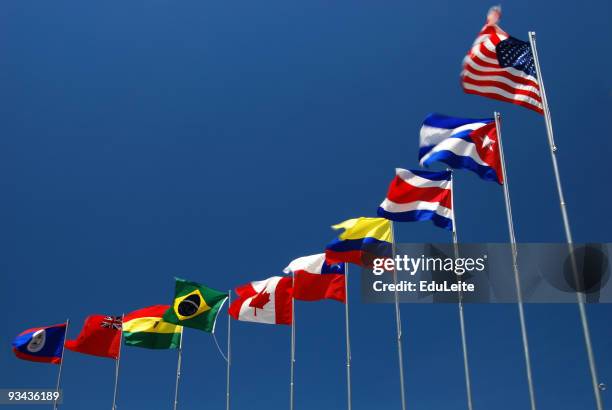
195 306
145 328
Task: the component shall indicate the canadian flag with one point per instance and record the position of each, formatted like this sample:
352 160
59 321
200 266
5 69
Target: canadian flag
264 301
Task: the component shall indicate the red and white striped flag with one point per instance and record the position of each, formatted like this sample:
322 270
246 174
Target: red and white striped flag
501 67
264 301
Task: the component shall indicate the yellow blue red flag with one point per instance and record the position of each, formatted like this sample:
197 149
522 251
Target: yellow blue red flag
363 240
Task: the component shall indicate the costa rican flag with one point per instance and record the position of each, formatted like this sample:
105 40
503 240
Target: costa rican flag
501 67
461 143
419 196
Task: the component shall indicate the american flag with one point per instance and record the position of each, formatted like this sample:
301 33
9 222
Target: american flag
501 67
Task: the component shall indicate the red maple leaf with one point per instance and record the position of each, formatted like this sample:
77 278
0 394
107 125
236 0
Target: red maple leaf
259 301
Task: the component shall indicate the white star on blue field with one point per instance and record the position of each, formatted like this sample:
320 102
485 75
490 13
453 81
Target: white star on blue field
218 141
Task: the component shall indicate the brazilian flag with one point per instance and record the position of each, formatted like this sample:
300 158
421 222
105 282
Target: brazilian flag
195 306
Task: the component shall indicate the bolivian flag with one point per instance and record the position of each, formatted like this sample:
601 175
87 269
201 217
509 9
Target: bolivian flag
145 328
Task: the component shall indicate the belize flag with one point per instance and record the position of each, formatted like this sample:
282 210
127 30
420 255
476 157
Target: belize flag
41 344
461 143
419 196
314 278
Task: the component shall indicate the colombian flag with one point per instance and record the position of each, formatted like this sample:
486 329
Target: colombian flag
363 240
145 328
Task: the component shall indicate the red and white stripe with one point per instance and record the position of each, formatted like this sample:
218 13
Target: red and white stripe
410 192
482 74
264 301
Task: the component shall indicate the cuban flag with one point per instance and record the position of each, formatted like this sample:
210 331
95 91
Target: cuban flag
41 344
314 278
419 196
461 143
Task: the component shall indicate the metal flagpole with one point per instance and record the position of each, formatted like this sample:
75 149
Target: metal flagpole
229 351
348 339
117 361
568 233
178 370
59 373
292 383
517 279
398 322
466 365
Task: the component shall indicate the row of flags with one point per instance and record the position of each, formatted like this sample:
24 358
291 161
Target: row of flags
497 66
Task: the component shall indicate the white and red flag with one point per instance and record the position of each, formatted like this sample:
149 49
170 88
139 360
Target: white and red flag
316 279
264 301
501 67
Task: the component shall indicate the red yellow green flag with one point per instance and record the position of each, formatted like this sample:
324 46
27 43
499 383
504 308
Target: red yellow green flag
146 328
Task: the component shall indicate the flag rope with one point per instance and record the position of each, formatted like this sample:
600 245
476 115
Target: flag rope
568 233
517 279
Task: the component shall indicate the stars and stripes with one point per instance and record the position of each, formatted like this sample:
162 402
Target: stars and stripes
501 67
416 195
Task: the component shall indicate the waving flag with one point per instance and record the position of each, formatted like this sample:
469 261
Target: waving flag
195 306
419 196
41 344
100 336
315 279
363 240
145 328
461 143
501 67
264 301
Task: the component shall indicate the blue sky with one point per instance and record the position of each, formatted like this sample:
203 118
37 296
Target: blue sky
219 140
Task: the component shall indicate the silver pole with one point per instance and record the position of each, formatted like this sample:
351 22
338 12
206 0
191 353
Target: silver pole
229 351
517 279
59 373
398 322
117 365
178 370
568 233
292 383
349 401
466 365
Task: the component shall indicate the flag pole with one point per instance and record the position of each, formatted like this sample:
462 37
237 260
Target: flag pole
292 382
517 279
568 233
466 365
117 362
229 351
59 372
348 339
178 370
398 323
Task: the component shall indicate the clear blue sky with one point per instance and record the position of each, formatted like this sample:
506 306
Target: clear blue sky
219 140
